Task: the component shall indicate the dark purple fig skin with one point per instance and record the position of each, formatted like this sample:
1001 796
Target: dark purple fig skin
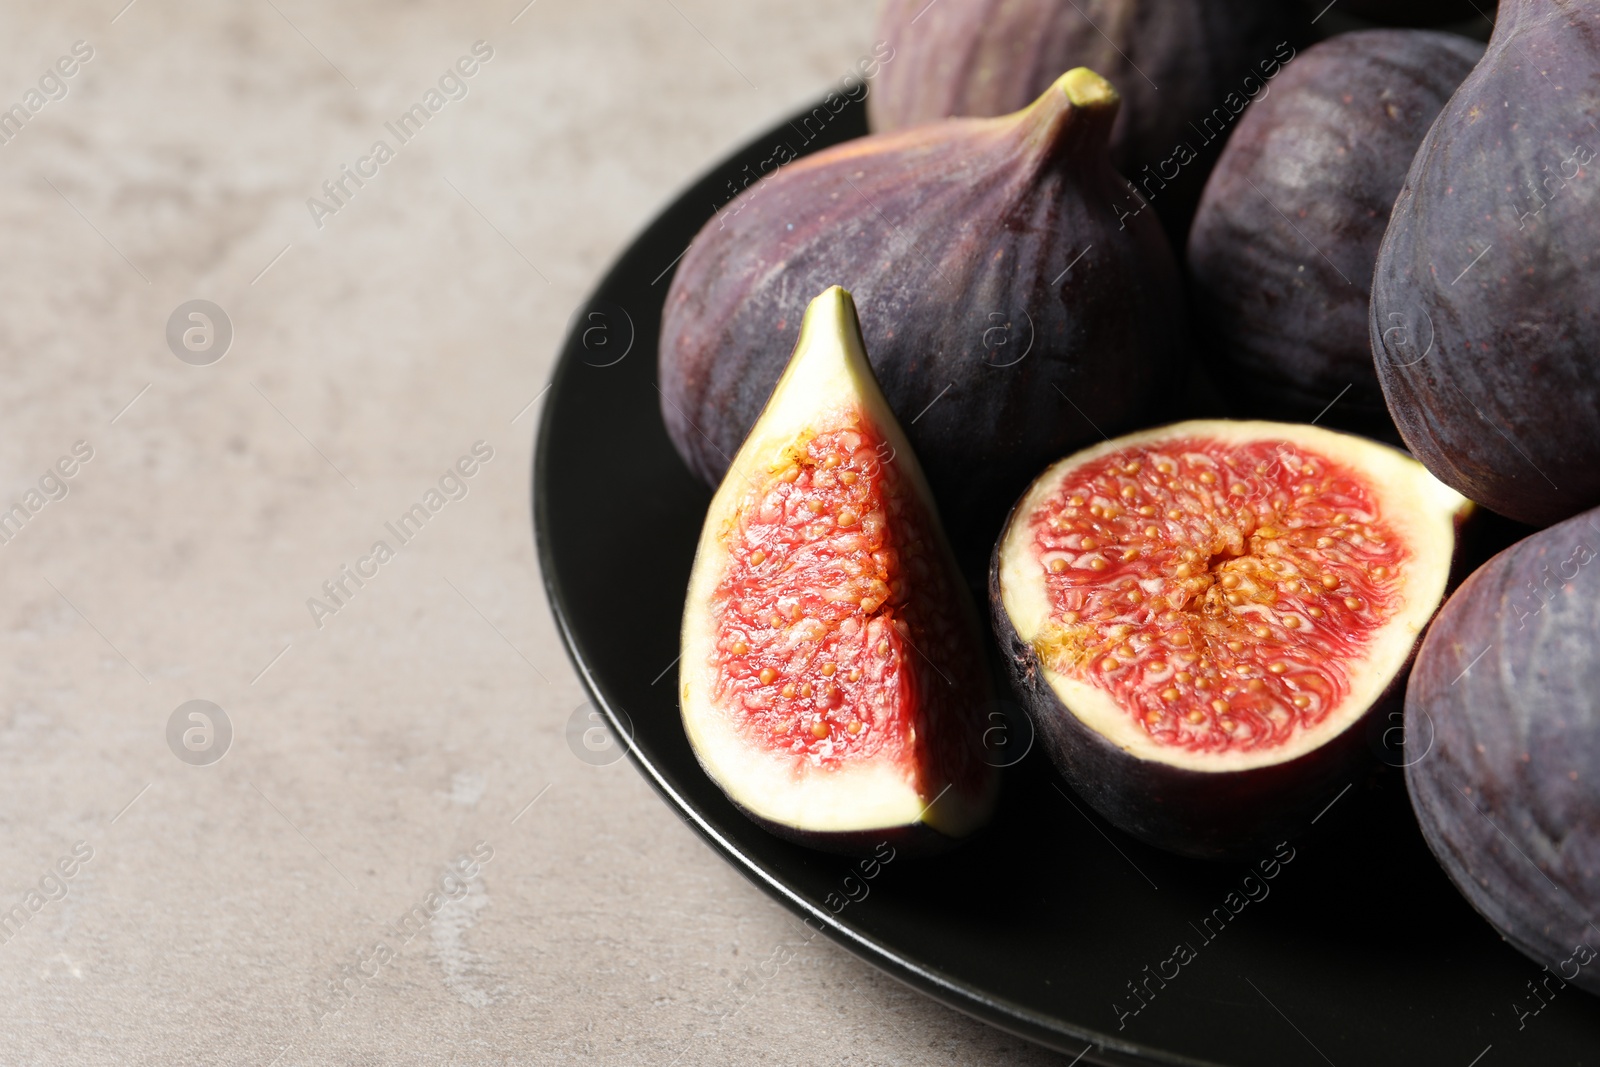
1173 62
1485 316
961 242
1281 253
1507 687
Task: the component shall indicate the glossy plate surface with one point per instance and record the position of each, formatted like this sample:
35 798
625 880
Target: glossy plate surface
1050 924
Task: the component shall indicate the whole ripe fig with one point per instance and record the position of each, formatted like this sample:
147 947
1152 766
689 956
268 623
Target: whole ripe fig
1281 253
1006 311
833 679
1200 616
1485 317
1504 703
1185 67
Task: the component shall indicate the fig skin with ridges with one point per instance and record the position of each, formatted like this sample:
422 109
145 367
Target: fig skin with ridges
1006 311
1281 253
1173 61
1485 311
1175 801
916 777
1504 703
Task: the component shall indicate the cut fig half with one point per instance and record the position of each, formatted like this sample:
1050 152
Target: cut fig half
833 680
1199 615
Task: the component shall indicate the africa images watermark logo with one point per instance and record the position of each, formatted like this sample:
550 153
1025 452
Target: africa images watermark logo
52 886
54 484
199 732
852 89
1145 187
1551 185
591 737
452 85
52 86
199 332
453 485
1253 888
348 979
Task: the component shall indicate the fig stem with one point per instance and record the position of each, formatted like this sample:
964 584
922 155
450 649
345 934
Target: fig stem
1071 121
1084 88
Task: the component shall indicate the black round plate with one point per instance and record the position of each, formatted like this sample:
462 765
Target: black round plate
1357 951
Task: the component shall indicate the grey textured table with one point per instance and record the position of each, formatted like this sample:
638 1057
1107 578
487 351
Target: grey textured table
232 911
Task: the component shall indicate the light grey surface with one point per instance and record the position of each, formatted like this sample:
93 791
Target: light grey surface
431 708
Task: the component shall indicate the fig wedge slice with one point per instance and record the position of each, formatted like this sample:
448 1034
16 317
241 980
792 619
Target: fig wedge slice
1198 616
833 680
